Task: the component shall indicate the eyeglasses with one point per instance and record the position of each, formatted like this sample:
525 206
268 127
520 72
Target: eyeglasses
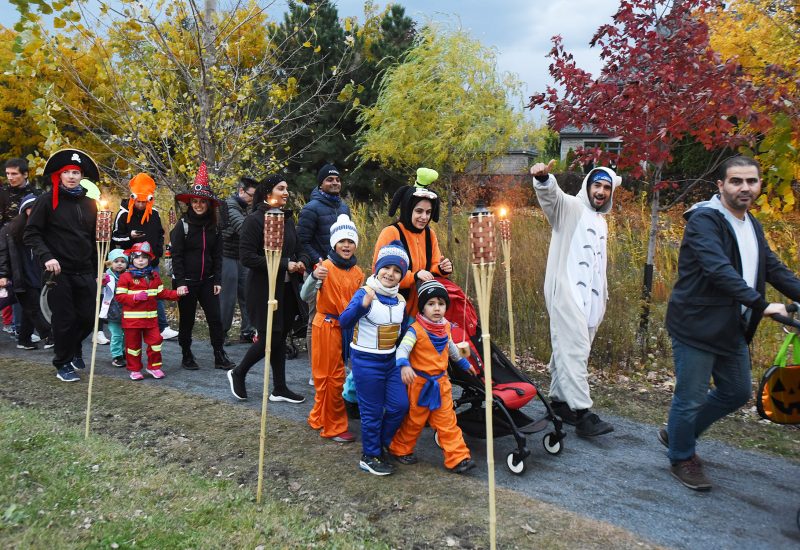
249 194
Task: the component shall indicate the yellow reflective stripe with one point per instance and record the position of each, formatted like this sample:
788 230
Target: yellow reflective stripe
156 348
135 352
154 365
139 314
122 291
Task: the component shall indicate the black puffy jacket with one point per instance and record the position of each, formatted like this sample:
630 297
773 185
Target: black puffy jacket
315 221
196 249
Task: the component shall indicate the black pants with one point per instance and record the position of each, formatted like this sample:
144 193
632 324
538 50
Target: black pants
277 358
72 302
202 292
31 315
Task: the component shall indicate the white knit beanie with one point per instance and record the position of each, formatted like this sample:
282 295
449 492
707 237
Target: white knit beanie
343 228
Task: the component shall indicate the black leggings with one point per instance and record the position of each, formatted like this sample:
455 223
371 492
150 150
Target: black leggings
202 292
277 358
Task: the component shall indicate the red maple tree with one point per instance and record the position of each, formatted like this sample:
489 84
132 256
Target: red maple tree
660 83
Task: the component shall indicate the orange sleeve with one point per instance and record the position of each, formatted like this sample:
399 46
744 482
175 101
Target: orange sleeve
388 234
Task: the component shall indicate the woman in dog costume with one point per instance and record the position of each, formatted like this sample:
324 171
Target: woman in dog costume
422 357
334 282
377 313
418 207
137 291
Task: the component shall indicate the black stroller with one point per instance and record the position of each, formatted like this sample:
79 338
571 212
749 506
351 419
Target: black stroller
511 390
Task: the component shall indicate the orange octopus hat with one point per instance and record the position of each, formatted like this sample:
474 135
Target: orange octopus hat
143 188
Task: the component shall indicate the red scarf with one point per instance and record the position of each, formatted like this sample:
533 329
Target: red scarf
437 329
55 179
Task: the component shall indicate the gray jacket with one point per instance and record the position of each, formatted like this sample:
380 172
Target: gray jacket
236 212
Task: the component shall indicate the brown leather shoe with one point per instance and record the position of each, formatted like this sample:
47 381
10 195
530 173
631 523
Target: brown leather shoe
690 473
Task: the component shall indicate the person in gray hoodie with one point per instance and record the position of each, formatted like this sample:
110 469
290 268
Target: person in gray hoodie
575 287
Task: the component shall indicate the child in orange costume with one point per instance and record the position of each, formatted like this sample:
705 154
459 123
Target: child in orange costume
423 356
334 280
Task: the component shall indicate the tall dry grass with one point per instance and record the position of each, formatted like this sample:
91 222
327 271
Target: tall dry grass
617 347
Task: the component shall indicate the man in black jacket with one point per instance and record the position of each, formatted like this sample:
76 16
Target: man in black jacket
715 307
234 274
61 231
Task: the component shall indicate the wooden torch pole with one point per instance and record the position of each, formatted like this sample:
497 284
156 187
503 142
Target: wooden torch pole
273 245
103 238
484 249
504 225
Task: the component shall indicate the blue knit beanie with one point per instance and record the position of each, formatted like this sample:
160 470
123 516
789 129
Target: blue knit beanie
392 254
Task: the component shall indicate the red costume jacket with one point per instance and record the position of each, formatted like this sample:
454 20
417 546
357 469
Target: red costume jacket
141 314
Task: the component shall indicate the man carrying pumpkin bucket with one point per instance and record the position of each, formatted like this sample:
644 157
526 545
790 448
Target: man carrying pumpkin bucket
715 307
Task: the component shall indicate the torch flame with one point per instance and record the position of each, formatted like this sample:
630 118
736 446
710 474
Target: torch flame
103 204
503 211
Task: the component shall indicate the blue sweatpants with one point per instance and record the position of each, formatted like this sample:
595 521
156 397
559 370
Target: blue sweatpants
382 398
117 339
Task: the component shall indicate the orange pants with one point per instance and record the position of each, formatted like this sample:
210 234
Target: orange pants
443 420
327 369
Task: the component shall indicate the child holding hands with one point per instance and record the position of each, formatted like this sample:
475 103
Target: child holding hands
334 281
423 356
111 309
138 289
377 313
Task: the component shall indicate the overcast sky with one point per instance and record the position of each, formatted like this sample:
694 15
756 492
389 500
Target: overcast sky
520 30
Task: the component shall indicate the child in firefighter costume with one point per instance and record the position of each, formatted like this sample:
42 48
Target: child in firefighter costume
377 315
334 281
422 357
137 291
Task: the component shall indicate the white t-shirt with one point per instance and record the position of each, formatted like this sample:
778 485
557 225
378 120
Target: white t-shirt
748 247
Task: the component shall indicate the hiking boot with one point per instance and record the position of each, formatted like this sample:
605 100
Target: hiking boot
118 361
407 460
663 437
66 373
237 385
158 374
286 395
562 410
375 466
344 437
463 466
690 473
590 425
77 363
48 342
222 361
188 361
26 345
136 375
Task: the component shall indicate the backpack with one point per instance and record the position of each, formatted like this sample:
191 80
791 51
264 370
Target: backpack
778 398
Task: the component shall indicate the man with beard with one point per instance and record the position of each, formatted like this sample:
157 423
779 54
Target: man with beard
575 287
715 307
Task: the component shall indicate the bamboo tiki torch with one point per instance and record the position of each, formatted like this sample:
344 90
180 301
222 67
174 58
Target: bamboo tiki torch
173 221
273 244
102 238
484 248
504 225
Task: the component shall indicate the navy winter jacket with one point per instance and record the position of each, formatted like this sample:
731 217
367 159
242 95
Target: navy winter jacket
704 308
314 224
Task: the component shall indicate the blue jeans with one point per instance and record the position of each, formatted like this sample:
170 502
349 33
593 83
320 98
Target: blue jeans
695 407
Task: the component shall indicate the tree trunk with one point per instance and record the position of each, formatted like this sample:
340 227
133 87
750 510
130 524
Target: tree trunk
647 287
450 214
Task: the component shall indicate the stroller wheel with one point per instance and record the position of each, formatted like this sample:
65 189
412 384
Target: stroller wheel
515 464
552 444
436 439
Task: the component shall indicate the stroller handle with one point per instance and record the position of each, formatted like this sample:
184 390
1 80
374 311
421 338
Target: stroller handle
789 321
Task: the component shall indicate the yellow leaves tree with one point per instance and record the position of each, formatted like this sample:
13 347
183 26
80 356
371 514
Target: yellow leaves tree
764 37
16 95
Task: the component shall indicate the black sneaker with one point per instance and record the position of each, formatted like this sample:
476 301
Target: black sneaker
690 473
247 338
118 361
77 363
562 410
26 345
590 425
663 437
286 395
66 373
375 466
407 460
463 466
237 385
48 342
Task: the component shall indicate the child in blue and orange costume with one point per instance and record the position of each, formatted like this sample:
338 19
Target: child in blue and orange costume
138 289
334 281
377 315
423 356
111 309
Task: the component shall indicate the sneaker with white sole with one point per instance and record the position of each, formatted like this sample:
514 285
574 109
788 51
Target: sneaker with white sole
118 361
48 342
311 381
136 375
102 339
66 373
26 345
344 437
155 373
287 396
375 466
78 363
35 338
168 333
237 385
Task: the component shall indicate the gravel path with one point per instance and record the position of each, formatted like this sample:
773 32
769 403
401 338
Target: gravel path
621 478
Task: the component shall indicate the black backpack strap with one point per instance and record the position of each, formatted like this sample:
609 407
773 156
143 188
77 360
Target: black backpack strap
405 244
428 248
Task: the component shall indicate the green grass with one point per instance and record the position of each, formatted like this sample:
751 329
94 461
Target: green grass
60 490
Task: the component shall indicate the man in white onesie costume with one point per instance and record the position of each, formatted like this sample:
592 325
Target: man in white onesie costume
575 287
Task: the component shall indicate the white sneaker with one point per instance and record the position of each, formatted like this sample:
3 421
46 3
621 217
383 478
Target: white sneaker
311 381
102 339
35 338
168 333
